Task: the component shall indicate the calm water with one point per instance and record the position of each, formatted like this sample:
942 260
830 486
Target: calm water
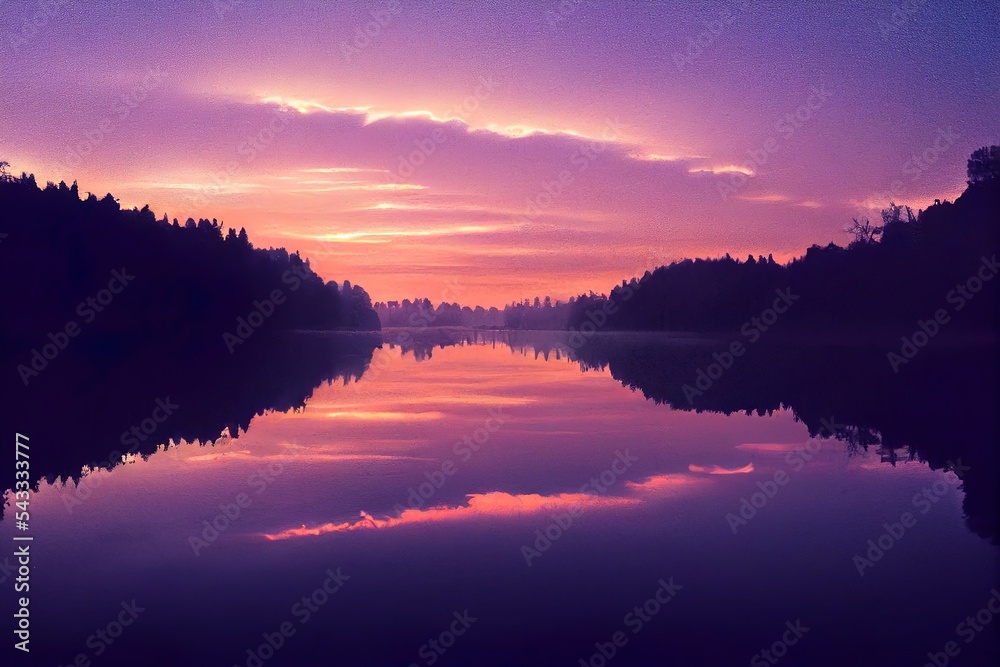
430 486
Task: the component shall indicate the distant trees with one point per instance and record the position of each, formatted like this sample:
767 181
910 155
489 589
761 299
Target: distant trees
422 313
538 314
984 165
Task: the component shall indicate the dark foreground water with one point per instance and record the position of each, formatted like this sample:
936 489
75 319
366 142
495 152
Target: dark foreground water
495 505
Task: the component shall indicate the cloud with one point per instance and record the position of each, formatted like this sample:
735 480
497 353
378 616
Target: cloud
500 504
770 446
717 470
722 169
477 505
766 199
513 212
658 484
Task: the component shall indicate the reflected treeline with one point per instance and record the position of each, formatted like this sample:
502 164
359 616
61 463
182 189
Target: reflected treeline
108 398
940 407
422 341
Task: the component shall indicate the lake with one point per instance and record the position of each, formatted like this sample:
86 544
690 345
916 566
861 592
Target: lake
490 498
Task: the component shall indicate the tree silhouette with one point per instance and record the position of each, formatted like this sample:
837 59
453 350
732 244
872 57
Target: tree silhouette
984 165
891 275
864 231
196 283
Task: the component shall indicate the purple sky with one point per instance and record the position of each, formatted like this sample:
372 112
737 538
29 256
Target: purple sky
495 151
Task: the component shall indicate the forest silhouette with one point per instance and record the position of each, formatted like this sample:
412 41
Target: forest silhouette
192 280
110 312
162 335
891 274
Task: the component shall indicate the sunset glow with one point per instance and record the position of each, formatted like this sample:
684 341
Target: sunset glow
400 163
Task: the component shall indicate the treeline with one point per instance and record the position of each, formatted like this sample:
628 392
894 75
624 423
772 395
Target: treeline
72 262
421 313
905 268
909 267
547 314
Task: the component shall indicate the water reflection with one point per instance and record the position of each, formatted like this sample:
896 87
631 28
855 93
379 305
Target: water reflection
941 409
114 400
546 501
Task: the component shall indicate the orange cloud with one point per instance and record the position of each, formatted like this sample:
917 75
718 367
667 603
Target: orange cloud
493 504
723 169
660 483
770 446
717 470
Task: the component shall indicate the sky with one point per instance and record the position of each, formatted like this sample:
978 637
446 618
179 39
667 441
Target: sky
485 152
